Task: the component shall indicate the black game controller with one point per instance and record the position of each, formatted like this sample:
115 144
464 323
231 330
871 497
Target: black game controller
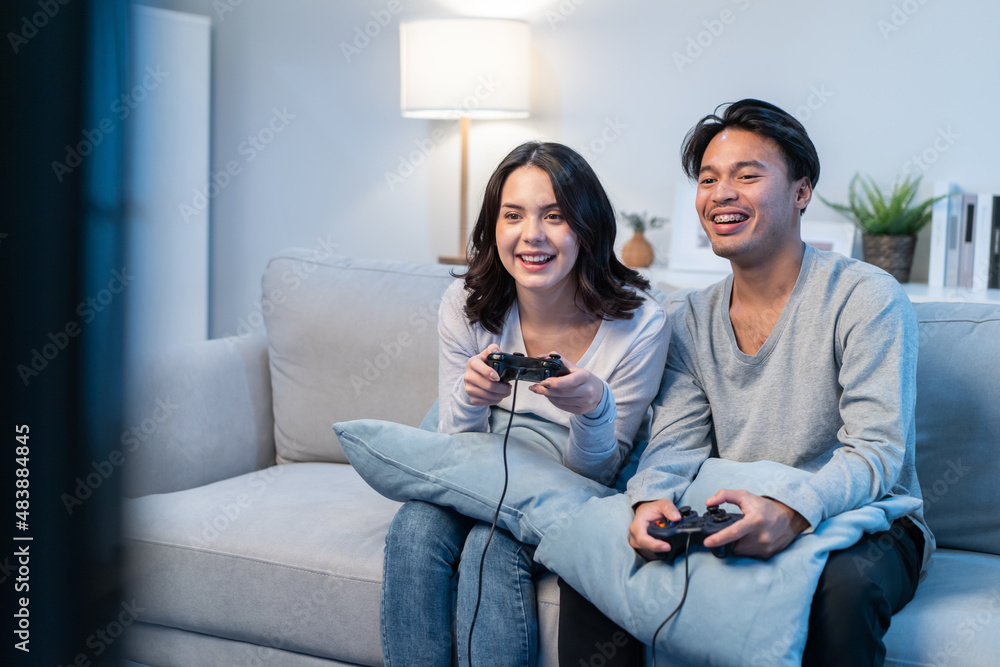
516 366
697 528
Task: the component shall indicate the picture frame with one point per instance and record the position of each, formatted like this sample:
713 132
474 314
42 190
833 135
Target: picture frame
835 236
689 246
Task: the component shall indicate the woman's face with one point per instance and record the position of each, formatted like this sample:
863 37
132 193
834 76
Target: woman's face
534 240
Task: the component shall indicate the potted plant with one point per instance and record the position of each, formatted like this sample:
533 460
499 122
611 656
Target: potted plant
637 252
889 222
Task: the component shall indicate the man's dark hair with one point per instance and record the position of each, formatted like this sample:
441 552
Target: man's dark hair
604 284
760 118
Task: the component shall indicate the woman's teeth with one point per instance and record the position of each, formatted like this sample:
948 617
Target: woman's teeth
536 259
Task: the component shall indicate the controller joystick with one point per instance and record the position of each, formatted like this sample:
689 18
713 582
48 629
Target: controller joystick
517 366
693 528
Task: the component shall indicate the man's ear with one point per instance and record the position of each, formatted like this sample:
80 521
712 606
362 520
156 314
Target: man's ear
803 194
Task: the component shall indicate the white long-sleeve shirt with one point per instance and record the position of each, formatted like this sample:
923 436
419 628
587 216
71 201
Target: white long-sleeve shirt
628 355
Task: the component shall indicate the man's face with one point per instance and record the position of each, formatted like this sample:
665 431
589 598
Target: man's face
748 206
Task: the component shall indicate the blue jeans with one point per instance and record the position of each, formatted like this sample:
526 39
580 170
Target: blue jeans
429 585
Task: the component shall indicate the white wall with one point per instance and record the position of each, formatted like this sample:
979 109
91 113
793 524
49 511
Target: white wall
168 253
603 66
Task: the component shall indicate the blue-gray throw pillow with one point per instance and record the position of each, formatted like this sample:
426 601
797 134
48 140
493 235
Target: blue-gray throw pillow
757 610
465 471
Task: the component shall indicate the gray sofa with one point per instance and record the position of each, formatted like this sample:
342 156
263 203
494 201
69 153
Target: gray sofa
251 541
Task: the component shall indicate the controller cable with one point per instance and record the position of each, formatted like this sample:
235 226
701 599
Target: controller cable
496 515
683 597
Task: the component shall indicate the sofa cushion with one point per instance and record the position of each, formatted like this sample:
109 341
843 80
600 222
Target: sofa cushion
953 618
348 339
958 423
289 557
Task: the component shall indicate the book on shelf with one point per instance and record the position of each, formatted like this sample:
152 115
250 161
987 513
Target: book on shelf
994 276
967 241
942 269
985 249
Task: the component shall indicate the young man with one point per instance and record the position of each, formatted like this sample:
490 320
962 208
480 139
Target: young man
802 357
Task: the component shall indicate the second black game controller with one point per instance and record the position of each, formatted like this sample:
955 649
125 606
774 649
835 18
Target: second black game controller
516 366
694 528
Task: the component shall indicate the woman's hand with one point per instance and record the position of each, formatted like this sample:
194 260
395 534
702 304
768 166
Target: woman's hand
482 382
579 392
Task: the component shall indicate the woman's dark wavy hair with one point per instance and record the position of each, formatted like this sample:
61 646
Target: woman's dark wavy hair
760 118
605 286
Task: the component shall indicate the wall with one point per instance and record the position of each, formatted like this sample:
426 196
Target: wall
876 83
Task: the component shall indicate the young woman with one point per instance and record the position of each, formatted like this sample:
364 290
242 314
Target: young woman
543 278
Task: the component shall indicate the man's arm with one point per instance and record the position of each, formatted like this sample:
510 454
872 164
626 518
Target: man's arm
680 441
877 340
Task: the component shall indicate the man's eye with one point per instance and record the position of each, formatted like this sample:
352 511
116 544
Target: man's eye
707 181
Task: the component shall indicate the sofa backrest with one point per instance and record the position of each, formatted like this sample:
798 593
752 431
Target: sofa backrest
348 339
958 423
353 339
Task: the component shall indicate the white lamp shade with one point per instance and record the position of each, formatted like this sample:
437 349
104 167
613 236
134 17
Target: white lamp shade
454 67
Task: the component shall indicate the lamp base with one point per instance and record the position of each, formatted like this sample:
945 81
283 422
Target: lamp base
453 260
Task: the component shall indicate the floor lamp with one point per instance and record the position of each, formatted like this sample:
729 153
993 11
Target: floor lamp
463 68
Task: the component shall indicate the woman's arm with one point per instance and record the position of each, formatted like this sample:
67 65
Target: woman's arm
457 345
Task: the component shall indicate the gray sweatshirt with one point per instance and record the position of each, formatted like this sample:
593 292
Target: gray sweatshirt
628 355
832 391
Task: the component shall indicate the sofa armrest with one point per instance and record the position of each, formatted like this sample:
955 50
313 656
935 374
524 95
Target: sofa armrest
198 414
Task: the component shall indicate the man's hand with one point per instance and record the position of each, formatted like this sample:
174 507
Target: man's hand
482 382
578 393
645 514
767 526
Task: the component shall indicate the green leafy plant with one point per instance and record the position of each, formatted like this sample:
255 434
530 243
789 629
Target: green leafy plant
641 222
880 213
